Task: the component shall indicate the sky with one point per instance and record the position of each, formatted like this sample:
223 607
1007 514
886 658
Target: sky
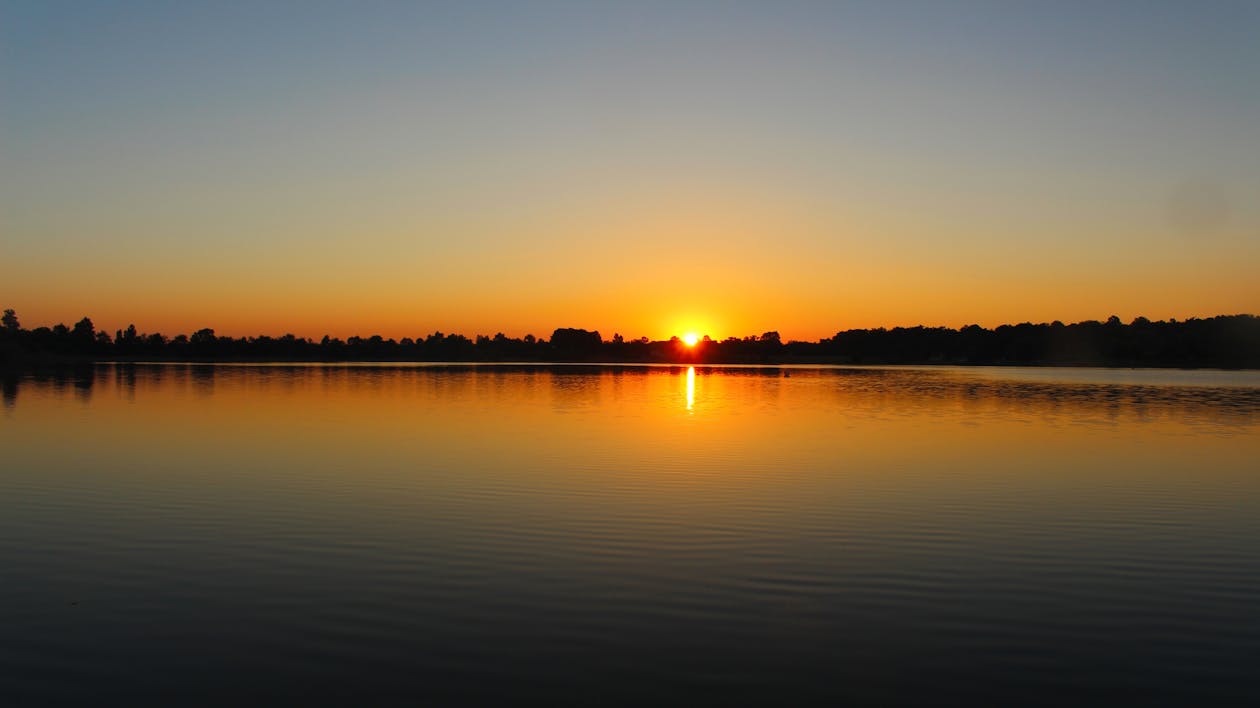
637 167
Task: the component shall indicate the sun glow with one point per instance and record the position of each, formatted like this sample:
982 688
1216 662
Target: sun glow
690 339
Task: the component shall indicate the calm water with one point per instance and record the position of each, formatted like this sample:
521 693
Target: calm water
376 535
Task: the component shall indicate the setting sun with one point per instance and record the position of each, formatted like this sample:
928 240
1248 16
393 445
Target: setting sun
690 339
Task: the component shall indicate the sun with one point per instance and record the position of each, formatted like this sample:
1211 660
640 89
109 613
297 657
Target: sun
690 339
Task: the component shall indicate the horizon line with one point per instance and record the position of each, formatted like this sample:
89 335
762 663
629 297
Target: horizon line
700 336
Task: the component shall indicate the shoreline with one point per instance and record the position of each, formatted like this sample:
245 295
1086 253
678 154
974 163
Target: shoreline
819 363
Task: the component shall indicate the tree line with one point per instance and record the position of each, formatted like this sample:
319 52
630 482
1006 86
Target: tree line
1226 341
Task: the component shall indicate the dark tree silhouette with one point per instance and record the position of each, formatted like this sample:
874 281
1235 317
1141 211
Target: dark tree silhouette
1225 341
568 342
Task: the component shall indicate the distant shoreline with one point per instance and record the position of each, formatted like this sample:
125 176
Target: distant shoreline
71 362
1227 342
385 363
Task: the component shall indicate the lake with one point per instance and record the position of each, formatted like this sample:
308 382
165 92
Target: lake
376 535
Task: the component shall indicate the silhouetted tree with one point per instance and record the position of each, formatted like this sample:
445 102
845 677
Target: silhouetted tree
84 330
575 343
1224 341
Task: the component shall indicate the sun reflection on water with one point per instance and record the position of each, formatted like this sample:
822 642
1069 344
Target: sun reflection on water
691 387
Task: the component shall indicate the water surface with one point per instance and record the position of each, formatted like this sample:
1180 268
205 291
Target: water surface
584 534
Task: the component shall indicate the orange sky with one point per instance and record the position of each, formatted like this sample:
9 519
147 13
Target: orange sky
712 307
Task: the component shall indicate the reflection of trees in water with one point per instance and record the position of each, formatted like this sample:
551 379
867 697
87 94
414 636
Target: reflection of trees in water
125 382
874 391
82 382
9 388
1237 405
63 381
571 389
202 378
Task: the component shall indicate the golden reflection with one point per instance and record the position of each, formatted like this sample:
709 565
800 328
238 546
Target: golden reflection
691 387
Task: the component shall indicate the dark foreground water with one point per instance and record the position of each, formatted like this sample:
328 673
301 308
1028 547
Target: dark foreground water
227 535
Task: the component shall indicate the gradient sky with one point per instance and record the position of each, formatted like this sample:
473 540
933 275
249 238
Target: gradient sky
638 167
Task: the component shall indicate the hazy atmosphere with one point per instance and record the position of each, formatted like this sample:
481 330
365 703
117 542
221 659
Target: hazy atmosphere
645 168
